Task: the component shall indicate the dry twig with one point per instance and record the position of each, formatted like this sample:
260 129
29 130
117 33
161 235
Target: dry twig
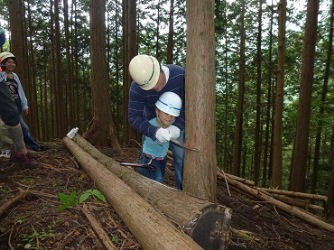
102 235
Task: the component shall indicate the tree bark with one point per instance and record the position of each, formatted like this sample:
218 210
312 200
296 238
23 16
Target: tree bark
299 160
150 228
130 50
258 116
330 207
102 130
277 135
241 93
200 169
323 100
170 39
198 218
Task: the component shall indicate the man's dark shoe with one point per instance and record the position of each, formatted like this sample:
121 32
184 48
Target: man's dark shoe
24 160
40 149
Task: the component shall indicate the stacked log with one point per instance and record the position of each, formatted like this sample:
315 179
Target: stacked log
205 222
264 195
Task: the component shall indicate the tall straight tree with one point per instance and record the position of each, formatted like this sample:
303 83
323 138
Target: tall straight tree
33 93
323 100
269 121
129 51
299 160
277 135
241 92
102 129
170 41
19 42
58 84
258 136
18 39
200 170
330 207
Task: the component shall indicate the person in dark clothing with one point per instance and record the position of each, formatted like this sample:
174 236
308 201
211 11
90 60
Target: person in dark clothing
8 61
11 117
150 81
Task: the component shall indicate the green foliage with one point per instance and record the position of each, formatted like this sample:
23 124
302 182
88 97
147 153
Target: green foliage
115 239
68 200
91 193
72 199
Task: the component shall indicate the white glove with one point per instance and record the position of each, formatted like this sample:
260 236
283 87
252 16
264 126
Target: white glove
163 135
174 131
72 133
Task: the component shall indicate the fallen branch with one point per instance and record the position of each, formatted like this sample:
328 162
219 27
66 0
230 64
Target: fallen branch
10 203
102 235
281 205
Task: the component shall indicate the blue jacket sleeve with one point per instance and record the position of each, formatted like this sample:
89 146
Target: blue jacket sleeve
136 113
22 95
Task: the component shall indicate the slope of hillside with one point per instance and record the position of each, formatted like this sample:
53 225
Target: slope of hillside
35 220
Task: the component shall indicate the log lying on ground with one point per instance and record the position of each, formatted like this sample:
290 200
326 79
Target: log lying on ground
206 222
295 194
281 205
151 229
304 204
248 182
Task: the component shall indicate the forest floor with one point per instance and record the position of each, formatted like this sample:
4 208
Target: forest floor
36 221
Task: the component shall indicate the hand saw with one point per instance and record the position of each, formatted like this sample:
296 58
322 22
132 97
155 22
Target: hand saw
182 145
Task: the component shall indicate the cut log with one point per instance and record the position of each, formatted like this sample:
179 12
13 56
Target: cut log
234 177
304 204
151 229
206 222
281 205
296 194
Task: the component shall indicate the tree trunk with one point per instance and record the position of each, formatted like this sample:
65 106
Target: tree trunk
330 207
323 101
200 169
129 51
102 130
258 120
277 135
150 228
170 39
18 40
241 92
299 160
59 91
267 151
198 218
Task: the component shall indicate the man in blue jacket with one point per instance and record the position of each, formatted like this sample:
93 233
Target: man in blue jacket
150 81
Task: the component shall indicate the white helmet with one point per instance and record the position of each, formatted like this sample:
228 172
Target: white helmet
5 55
145 70
169 103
